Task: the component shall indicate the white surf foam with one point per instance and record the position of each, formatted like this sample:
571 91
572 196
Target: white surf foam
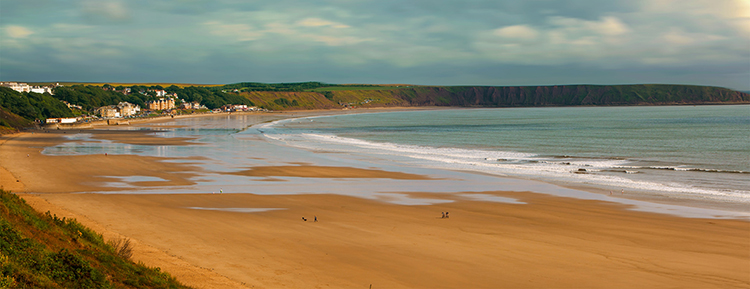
506 163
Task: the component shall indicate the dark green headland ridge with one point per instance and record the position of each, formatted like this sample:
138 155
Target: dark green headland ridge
317 95
497 96
574 95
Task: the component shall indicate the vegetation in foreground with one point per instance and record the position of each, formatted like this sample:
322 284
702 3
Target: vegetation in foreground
10 122
44 251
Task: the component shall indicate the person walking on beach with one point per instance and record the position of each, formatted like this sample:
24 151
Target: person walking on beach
443 217
446 215
316 219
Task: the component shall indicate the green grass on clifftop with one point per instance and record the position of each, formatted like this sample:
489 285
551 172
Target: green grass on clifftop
349 87
43 251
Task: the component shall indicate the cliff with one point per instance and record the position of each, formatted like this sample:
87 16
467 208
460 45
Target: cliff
572 95
497 96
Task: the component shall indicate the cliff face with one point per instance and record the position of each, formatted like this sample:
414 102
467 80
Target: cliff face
571 95
501 96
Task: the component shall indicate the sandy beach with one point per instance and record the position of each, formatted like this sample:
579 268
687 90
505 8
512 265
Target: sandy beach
261 241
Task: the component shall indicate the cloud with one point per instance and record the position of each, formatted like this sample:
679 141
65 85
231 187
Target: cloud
16 31
238 32
648 37
523 32
317 22
403 37
572 30
282 31
559 40
105 11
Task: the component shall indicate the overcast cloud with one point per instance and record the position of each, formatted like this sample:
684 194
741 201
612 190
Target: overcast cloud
477 42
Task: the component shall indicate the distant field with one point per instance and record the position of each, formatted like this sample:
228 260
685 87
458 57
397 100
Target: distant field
124 84
339 88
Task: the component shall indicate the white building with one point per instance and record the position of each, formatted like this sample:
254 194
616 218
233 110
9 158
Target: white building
128 109
23 87
62 120
20 87
109 111
159 92
41 89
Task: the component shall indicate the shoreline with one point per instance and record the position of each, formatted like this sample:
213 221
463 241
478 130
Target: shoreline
397 244
127 138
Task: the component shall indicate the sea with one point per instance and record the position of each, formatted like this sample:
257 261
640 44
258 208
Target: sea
692 161
691 152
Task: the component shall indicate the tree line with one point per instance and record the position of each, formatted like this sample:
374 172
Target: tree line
91 97
33 106
211 98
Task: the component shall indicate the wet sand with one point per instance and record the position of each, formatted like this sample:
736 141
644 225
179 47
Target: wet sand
548 242
310 171
21 154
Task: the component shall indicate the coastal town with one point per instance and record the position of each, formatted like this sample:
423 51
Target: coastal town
164 103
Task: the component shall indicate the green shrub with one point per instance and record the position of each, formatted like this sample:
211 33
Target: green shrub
44 251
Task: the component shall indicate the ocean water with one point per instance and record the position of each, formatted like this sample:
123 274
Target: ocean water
691 152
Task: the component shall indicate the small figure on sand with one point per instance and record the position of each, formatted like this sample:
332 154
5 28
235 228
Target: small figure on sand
622 192
303 219
221 191
443 217
446 215
316 219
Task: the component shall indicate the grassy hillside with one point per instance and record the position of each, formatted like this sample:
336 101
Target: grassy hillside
43 251
11 122
357 87
278 100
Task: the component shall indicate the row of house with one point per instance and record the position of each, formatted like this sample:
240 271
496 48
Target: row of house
24 87
192 105
122 109
125 109
239 107
161 104
170 103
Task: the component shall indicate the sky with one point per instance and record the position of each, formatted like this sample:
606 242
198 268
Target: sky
428 42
